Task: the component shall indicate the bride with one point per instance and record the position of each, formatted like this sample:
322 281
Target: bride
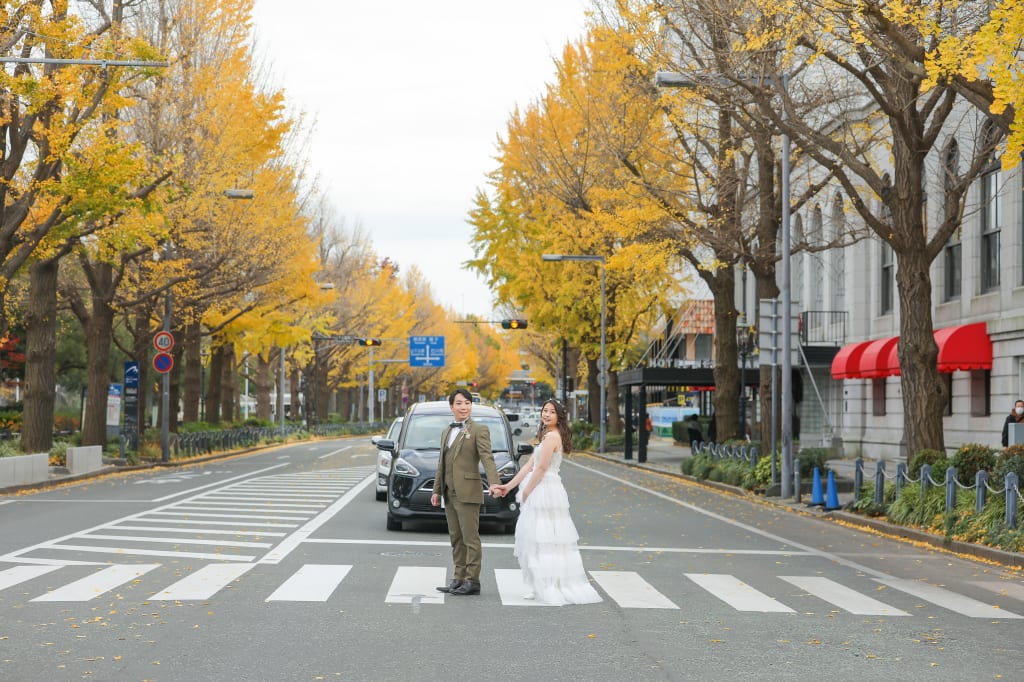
546 537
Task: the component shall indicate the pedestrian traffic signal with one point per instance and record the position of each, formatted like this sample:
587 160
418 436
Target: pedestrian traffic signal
513 324
368 342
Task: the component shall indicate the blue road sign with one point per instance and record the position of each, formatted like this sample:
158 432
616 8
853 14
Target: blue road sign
426 351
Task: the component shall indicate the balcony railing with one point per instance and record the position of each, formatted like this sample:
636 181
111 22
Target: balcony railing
823 327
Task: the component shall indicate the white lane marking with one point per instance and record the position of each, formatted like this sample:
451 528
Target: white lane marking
842 596
125 551
204 583
275 555
417 585
216 483
19 574
251 517
737 593
2 502
176 541
630 591
1004 588
336 452
583 548
205 523
205 531
512 589
738 524
259 501
312 582
96 584
958 603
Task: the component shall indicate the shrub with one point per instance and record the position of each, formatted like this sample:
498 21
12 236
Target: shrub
763 471
59 453
679 432
715 474
1005 465
687 465
970 458
936 459
813 457
911 509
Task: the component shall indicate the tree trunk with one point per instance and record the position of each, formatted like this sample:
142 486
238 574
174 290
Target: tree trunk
726 369
41 347
141 344
99 333
593 393
263 384
193 372
614 421
213 386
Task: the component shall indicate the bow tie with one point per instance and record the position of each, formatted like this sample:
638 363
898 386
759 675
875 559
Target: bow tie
456 425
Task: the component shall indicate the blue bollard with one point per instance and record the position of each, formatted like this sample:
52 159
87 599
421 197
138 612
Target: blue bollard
832 497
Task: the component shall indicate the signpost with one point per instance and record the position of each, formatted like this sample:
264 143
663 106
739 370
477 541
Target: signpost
426 351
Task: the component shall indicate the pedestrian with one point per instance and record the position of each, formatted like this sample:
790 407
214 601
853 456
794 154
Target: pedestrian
693 432
645 435
465 445
1016 416
712 430
546 538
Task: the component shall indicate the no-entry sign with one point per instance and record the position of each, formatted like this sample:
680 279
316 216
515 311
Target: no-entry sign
163 341
163 362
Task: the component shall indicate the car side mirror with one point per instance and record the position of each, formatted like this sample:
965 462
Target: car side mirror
387 444
375 439
523 449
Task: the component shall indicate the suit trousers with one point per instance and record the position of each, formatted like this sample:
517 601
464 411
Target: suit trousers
464 531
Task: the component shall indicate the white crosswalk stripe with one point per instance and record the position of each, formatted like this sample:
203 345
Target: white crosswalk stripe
416 585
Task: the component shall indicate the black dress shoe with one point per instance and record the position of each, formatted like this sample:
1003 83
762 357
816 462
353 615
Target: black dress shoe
465 588
450 586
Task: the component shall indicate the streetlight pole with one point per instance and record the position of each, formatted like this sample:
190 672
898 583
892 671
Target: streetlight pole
743 345
165 392
602 363
280 392
370 397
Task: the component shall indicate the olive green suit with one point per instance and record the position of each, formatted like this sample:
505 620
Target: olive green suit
459 485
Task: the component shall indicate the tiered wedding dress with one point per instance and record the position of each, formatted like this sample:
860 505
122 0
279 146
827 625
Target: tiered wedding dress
546 543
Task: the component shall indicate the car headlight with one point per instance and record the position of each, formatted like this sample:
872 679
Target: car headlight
508 467
385 460
403 468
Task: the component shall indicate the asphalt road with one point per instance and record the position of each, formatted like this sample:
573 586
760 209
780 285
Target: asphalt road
277 566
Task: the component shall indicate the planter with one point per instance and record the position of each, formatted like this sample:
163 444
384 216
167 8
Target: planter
24 469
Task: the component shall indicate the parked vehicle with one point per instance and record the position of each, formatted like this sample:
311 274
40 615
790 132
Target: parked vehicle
384 458
417 451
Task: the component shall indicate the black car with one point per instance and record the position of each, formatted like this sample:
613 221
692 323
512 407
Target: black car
415 457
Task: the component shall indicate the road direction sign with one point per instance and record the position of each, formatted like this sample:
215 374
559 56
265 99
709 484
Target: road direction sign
382 395
426 351
163 362
163 341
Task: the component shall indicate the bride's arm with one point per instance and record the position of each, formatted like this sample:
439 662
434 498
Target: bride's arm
520 475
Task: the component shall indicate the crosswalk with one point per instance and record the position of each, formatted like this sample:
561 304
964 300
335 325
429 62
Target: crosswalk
242 521
319 583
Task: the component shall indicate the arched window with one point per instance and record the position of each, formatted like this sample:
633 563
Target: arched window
952 266
797 260
838 230
991 216
817 259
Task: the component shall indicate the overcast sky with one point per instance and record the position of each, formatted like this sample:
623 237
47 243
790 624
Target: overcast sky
408 99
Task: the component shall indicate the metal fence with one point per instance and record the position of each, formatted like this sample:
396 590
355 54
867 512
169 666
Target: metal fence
981 487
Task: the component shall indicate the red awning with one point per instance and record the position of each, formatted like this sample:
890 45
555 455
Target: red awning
964 348
874 362
846 363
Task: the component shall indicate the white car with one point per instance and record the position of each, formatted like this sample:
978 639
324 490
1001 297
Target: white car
384 459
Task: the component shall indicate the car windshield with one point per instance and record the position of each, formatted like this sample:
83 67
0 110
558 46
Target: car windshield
425 431
396 426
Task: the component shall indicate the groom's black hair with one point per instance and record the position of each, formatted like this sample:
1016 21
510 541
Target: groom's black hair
460 391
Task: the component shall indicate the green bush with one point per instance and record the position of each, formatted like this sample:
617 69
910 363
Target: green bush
715 474
1005 465
680 433
970 458
936 459
813 457
763 471
686 466
911 509
701 466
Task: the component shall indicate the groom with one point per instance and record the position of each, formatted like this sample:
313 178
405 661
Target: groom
464 445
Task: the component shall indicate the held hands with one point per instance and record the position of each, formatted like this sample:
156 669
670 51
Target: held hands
497 490
435 500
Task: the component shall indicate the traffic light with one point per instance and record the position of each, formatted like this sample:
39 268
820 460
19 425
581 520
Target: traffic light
368 342
513 324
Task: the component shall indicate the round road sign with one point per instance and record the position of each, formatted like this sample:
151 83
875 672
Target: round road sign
163 362
163 341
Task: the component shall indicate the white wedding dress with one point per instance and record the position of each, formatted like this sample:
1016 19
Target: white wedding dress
546 543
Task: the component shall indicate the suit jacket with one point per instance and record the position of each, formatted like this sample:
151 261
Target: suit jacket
471 448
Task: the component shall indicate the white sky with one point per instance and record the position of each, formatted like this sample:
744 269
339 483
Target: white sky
408 99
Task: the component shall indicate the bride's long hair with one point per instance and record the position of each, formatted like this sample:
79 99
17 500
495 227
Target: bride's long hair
562 425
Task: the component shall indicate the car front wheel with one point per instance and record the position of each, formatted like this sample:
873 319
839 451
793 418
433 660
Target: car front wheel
394 524
382 495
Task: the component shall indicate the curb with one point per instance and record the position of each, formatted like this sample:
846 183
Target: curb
998 556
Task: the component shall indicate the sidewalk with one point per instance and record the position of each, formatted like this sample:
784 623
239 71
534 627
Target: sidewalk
665 456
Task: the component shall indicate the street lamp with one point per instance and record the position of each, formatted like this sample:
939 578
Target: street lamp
602 363
670 79
743 344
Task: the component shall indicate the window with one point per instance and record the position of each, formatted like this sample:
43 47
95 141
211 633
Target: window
878 397
817 264
991 221
887 280
797 260
952 268
981 393
838 255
